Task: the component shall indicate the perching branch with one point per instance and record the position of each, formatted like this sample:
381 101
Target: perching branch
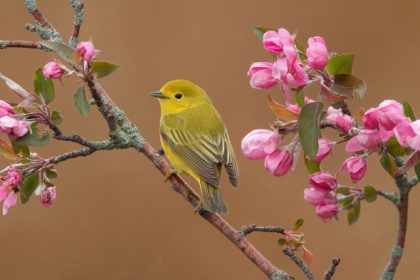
247 229
331 270
20 44
300 263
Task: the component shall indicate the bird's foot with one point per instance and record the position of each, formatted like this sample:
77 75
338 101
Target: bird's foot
160 151
199 208
171 173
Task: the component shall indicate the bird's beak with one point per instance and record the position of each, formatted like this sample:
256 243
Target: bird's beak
158 94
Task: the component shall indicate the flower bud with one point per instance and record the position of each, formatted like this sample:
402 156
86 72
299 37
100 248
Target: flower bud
317 53
326 212
403 131
12 127
48 196
279 162
52 70
259 143
337 118
6 109
355 166
366 139
261 75
86 50
318 197
324 149
323 181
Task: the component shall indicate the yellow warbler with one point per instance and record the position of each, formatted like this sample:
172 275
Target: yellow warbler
195 140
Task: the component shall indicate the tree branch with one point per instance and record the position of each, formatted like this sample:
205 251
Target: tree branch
247 229
20 44
43 27
78 16
331 270
301 264
391 196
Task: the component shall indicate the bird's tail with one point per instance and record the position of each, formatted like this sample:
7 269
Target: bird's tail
212 198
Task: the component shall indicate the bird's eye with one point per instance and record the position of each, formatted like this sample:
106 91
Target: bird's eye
178 95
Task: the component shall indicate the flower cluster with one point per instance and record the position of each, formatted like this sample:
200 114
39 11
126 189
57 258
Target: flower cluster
10 124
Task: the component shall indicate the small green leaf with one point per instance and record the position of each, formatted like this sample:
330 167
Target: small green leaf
260 30
81 102
21 149
298 224
408 111
353 213
104 68
32 138
346 201
394 148
349 85
43 87
300 98
29 185
311 165
309 128
59 48
370 194
50 173
388 163
56 118
281 241
417 170
340 64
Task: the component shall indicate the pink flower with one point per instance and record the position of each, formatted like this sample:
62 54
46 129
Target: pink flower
318 197
414 141
52 70
317 53
355 166
288 70
86 50
326 212
13 176
261 75
403 131
323 181
366 139
9 202
13 127
48 196
259 143
279 162
324 149
386 116
6 109
336 118
274 42
295 107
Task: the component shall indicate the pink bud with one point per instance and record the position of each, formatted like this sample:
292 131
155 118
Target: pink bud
9 202
295 107
48 196
355 166
366 139
13 176
403 131
317 197
259 143
414 141
279 162
336 118
261 75
326 212
324 149
323 181
271 42
6 109
386 116
86 50
52 70
317 53
14 128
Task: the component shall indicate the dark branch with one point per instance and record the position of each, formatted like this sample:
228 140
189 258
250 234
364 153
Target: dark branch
20 44
300 263
331 270
247 229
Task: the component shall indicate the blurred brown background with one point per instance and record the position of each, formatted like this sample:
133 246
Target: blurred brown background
116 219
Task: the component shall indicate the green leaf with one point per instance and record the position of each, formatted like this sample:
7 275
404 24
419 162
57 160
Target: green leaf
311 165
281 241
309 128
81 102
260 30
104 68
408 111
394 148
50 173
33 138
56 118
349 85
353 213
59 48
298 224
300 98
29 185
417 170
370 194
388 163
21 149
340 64
43 87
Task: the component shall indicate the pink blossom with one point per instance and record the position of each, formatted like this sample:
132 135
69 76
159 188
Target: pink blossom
324 149
274 42
259 143
386 116
13 127
86 50
336 117
279 162
355 166
288 70
48 196
13 176
403 131
52 70
295 107
323 181
366 139
9 202
318 197
414 141
6 109
261 75
317 53
326 212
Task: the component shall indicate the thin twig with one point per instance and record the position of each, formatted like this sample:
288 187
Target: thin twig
69 155
20 44
247 229
43 27
78 16
391 196
331 270
300 263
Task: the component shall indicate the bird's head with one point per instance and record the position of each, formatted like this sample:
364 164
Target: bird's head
178 95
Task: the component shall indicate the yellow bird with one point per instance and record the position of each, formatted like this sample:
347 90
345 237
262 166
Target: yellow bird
195 140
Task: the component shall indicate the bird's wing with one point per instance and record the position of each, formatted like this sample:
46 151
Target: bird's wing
203 153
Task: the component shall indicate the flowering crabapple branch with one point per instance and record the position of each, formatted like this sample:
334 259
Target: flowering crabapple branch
331 270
